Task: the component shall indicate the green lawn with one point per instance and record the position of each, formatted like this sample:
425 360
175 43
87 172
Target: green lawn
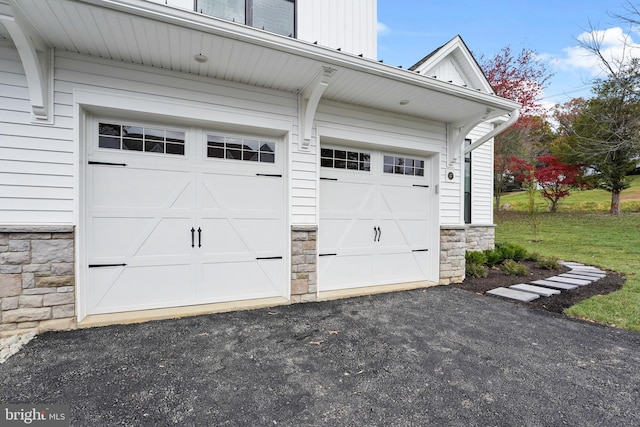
592 238
588 200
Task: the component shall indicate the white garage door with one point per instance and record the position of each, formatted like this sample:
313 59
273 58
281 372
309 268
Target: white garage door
375 225
182 216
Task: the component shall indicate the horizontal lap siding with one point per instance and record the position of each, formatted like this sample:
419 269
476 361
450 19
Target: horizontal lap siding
36 162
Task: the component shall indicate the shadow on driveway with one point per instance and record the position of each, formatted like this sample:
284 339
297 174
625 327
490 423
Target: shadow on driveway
440 356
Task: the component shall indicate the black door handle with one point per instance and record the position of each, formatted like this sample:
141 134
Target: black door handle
375 233
193 237
379 233
199 237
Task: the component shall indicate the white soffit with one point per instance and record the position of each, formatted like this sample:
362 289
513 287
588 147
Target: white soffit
141 32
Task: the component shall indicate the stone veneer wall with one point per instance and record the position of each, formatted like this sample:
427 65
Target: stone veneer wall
37 280
304 253
480 237
452 249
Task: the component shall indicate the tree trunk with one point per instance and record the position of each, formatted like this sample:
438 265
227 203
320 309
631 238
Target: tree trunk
615 209
497 202
554 206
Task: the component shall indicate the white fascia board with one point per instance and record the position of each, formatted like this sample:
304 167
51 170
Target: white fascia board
326 56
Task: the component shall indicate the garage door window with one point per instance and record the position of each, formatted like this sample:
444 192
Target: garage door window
140 138
345 159
250 150
403 166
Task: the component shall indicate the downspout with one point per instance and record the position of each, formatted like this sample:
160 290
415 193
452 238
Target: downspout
501 128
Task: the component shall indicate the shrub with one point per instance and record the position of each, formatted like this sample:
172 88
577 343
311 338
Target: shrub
512 268
494 256
534 256
514 252
549 264
476 270
477 258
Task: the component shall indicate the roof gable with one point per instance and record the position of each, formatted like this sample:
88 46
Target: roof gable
454 63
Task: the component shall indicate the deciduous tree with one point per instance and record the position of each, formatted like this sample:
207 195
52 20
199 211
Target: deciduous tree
521 77
556 179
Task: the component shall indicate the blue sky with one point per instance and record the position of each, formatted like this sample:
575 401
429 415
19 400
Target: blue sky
410 29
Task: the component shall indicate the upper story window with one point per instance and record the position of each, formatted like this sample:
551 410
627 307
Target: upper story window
276 16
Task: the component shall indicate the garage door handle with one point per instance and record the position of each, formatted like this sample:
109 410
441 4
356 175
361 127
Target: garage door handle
199 237
379 233
375 233
193 237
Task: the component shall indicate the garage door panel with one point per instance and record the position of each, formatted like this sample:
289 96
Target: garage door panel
340 197
405 267
344 271
142 188
344 234
243 280
123 289
404 200
166 236
240 193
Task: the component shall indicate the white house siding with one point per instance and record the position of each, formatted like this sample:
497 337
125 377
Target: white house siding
350 25
482 177
450 198
37 164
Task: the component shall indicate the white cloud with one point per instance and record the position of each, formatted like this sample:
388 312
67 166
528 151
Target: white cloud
383 29
616 47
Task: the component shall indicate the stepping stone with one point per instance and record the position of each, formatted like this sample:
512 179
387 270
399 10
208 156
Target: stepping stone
545 292
569 281
513 294
555 285
571 264
578 276
598 273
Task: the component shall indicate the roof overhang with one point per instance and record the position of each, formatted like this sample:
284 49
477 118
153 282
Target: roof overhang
142 32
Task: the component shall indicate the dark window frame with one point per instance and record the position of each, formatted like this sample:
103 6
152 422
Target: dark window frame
248 13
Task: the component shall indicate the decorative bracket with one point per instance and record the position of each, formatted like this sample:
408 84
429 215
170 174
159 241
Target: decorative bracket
36 58
310 98
457 132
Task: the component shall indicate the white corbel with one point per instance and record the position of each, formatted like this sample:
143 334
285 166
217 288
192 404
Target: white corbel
36 58
310 98
513 117
458 131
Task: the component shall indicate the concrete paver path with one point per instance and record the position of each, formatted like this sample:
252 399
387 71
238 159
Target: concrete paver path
441 357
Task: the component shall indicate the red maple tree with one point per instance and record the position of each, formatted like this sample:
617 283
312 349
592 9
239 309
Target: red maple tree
554 178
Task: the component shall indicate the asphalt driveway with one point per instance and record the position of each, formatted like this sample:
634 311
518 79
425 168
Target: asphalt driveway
438 357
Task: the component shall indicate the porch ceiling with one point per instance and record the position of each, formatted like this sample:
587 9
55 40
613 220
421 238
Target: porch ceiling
141 32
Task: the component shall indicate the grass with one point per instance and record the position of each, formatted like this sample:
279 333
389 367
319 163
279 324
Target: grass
592 238
582 201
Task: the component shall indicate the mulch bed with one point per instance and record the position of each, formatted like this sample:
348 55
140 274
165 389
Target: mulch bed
556 303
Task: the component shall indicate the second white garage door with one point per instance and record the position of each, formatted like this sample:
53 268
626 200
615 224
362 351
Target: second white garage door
375 219
180 217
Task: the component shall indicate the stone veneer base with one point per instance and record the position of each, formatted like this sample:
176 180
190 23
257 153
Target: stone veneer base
37 279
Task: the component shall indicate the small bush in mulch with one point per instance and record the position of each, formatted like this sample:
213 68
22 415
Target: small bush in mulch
513 268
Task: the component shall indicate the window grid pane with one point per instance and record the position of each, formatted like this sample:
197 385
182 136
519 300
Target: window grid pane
249 150
403 166
345 159
139 138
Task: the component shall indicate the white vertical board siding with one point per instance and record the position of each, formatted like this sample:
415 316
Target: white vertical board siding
36 162
482 177
350 25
